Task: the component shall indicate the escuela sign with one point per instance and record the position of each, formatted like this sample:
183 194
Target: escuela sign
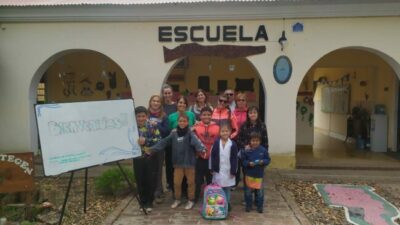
16 172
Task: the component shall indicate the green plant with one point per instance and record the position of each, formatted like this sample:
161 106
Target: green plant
25 222
113 182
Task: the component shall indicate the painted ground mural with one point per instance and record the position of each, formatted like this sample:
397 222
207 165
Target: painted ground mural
362 205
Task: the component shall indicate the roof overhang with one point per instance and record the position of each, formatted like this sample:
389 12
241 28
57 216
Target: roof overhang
199 11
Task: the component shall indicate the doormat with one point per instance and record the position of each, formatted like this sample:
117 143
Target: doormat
361 204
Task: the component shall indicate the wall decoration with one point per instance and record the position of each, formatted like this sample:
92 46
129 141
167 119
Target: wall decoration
100 86
112 79
244 84
68 83
335 99
282 69
361 204
305 107
108 94
298 27
226 51
311 119
86 90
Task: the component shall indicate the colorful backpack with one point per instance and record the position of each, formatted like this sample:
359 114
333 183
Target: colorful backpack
214 206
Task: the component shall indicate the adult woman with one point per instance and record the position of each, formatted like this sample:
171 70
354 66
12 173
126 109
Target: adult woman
241 108
181 109
169 107
158 118
222 113
201 102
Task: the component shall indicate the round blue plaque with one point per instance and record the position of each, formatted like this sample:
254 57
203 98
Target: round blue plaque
282 69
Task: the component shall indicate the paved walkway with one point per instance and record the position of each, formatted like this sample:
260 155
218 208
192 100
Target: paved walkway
280 207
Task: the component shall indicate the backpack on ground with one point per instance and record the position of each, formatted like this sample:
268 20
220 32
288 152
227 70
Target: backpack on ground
215 206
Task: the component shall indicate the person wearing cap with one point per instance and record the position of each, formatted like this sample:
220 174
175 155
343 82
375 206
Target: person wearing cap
146 166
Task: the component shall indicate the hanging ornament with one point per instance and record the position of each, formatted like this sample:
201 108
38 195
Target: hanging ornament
303 111
311 119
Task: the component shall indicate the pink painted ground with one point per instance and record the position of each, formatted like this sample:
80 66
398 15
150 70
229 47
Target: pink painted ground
351 197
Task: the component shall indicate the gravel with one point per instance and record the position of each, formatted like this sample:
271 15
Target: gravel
311 204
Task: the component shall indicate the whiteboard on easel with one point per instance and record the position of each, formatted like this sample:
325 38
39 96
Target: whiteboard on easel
83 134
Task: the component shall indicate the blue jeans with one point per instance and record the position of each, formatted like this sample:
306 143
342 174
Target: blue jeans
258 197
227 191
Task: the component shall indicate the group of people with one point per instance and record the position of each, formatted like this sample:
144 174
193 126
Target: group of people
200 145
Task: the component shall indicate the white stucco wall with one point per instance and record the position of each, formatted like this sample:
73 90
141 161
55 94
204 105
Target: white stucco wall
25 47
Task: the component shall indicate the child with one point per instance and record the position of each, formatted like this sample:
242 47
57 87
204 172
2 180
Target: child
184 143
224 161
207 131
253 124
146 166
254 160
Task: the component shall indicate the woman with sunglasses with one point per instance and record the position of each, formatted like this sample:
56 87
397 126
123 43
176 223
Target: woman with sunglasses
222 113
241 108
241 115
201 102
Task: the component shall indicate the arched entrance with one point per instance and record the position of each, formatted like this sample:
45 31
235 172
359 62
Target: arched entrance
215 75
347 111
76 75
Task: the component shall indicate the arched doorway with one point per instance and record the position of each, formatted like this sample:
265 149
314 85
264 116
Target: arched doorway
76 75
347 112
215 75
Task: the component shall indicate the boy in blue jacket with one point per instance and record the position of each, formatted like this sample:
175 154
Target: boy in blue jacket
254 160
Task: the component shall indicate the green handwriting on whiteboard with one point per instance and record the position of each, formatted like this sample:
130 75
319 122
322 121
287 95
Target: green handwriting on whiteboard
70 158
57 128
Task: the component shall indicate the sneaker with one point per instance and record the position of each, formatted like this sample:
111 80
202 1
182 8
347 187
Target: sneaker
189 205
260 210
149 210
175 204
248 209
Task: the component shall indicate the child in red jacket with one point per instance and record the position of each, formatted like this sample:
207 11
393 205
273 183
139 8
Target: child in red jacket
207 131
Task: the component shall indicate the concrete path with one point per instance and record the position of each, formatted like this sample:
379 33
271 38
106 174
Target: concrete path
279 209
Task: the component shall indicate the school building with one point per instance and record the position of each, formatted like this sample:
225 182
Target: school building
309 66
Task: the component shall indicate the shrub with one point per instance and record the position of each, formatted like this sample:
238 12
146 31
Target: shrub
113 182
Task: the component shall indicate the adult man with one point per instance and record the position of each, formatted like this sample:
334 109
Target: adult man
230 95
